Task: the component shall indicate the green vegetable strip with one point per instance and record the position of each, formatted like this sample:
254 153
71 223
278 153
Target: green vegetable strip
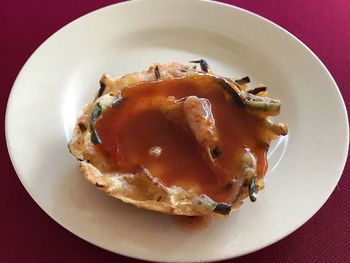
96 112
222 208
252 190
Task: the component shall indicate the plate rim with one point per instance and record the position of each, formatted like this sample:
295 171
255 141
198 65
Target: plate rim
135 2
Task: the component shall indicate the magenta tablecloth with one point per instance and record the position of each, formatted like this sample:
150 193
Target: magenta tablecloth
27 234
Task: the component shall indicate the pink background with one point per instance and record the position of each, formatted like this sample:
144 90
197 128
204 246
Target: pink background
27 234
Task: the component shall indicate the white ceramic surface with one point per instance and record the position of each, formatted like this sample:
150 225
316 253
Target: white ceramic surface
62 76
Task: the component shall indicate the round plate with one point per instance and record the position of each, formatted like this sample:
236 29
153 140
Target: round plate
62 75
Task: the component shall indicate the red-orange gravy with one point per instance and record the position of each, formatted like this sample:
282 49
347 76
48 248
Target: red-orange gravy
129 130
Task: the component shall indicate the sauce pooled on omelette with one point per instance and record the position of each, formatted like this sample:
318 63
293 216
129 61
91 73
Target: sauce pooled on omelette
186 132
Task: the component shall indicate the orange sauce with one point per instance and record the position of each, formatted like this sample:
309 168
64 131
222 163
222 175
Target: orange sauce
129 130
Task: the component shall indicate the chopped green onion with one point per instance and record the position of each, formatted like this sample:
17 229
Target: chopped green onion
96 112
156 72
102 89
242 81
215 153
204 65
222 208
257 90
252 190
235 96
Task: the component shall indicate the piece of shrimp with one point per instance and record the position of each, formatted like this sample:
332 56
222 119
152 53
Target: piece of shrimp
201 122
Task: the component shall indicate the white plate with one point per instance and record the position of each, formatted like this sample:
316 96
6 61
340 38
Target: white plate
62 76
